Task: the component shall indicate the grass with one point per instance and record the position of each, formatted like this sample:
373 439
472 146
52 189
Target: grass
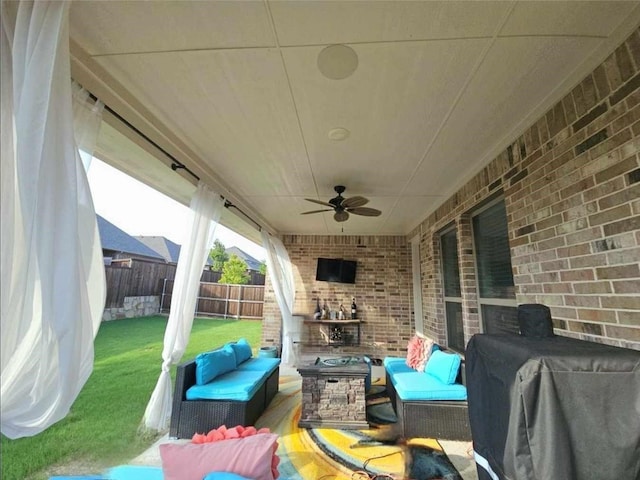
101 429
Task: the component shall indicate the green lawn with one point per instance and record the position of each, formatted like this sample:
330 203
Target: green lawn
101 429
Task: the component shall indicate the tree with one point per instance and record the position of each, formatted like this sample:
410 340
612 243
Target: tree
218 255
263 268
234 271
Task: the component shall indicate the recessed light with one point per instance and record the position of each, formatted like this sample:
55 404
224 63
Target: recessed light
338 133
337 61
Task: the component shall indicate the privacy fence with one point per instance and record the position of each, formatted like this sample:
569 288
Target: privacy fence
222 300
136 278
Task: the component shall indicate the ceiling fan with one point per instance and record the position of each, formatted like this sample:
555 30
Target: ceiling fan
344 206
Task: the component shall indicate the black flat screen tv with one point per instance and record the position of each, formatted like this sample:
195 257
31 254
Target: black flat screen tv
336 270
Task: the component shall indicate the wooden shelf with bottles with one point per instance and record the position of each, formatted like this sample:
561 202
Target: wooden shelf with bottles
335 326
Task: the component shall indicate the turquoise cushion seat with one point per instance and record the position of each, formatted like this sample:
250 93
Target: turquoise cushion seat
210 365
443 366
395 365
224 476
260 364
79 477
134 472
422 386
238 385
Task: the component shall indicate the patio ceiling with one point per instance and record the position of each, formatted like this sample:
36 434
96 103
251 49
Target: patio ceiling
234 91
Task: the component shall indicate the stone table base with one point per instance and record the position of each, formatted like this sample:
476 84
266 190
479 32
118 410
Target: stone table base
334 396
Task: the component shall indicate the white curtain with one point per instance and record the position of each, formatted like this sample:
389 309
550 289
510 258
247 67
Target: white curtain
281 275
52 274
87 117
206 207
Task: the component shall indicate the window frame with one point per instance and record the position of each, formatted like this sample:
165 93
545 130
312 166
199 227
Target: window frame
448 299
499 302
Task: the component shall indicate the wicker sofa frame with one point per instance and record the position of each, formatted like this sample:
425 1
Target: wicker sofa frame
445 420
200 416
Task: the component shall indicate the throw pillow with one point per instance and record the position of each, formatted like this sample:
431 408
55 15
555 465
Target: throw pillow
239 431
427 347
419 350
209 365
415 351
250 457
242 349
443 366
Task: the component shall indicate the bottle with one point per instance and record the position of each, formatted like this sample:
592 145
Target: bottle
325 311
318 313
354 310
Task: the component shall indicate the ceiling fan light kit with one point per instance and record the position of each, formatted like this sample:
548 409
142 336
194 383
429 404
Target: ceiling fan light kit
344 206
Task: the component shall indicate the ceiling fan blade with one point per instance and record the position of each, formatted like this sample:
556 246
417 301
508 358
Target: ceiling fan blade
341 216
367 212
319 202
317 211
355 202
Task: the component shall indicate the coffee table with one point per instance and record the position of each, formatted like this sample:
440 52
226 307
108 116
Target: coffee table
333 393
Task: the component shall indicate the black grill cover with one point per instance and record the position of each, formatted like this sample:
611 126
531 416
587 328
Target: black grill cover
534 320
554 408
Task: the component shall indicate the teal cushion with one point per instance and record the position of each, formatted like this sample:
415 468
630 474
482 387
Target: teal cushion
395 365
224 476
443 366
134 472
266 365
210 365
79 477
242 349
418 386
238 385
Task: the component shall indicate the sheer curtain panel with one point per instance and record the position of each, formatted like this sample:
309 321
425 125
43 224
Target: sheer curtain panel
52 273
281 276
206 207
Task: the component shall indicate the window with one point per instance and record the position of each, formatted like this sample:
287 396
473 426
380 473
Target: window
496 291
452 292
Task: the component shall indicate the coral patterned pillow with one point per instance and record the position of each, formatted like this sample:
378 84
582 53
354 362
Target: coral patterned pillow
415 351
418 352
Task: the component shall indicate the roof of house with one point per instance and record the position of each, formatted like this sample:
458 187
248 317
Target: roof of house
169 250
114 238
251 262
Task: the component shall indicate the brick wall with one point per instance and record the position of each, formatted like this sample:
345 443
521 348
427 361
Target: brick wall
383 290
571 185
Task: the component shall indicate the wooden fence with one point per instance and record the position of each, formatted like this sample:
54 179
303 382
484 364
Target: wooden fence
222 300
143 277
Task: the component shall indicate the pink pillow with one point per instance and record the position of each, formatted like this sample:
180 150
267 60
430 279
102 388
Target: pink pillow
239 431
418 352
415 352
427 348
249 457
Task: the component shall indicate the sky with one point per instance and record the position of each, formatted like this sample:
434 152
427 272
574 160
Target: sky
140 210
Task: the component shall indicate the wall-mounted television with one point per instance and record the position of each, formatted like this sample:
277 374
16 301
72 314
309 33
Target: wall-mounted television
336 270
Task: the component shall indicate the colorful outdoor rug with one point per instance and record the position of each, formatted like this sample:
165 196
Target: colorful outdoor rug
336 454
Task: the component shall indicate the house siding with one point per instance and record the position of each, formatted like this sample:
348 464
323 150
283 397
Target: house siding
571 186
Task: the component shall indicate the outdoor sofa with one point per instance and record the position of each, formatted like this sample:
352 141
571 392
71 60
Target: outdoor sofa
226 386
432 403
